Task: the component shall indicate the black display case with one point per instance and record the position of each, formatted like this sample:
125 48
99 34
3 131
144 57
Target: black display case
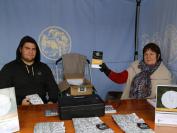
80 106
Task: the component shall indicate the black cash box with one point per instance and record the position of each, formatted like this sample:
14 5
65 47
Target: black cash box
80 106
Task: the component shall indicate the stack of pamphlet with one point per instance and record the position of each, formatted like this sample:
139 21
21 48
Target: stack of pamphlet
152 102
131 123
51 112
35 99
90 125
110 109
49 127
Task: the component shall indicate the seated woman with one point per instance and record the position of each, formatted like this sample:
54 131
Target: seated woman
142 77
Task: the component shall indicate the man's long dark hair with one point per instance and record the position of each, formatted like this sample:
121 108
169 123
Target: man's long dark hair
22 42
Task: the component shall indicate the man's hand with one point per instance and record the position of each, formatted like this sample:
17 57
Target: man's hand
49 102
26 101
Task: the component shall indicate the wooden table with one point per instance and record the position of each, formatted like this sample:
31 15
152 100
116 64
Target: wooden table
30 115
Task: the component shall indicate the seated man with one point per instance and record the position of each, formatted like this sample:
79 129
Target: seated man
28 75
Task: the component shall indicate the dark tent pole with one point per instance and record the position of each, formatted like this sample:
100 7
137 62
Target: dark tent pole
138 2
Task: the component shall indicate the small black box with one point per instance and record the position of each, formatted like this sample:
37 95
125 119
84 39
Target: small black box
81 106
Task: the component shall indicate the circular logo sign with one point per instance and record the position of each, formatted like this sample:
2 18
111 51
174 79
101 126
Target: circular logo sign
169 99
54 42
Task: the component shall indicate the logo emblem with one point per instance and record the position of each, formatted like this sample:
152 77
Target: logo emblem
54 42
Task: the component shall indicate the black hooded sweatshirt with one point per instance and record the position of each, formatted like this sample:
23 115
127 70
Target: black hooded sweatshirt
34 79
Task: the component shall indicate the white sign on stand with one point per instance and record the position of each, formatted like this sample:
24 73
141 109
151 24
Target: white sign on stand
166 105
9 121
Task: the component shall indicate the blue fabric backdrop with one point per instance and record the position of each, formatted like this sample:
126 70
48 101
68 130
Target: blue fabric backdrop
158 23
105 25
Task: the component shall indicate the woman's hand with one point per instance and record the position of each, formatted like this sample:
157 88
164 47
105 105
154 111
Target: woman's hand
105 69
